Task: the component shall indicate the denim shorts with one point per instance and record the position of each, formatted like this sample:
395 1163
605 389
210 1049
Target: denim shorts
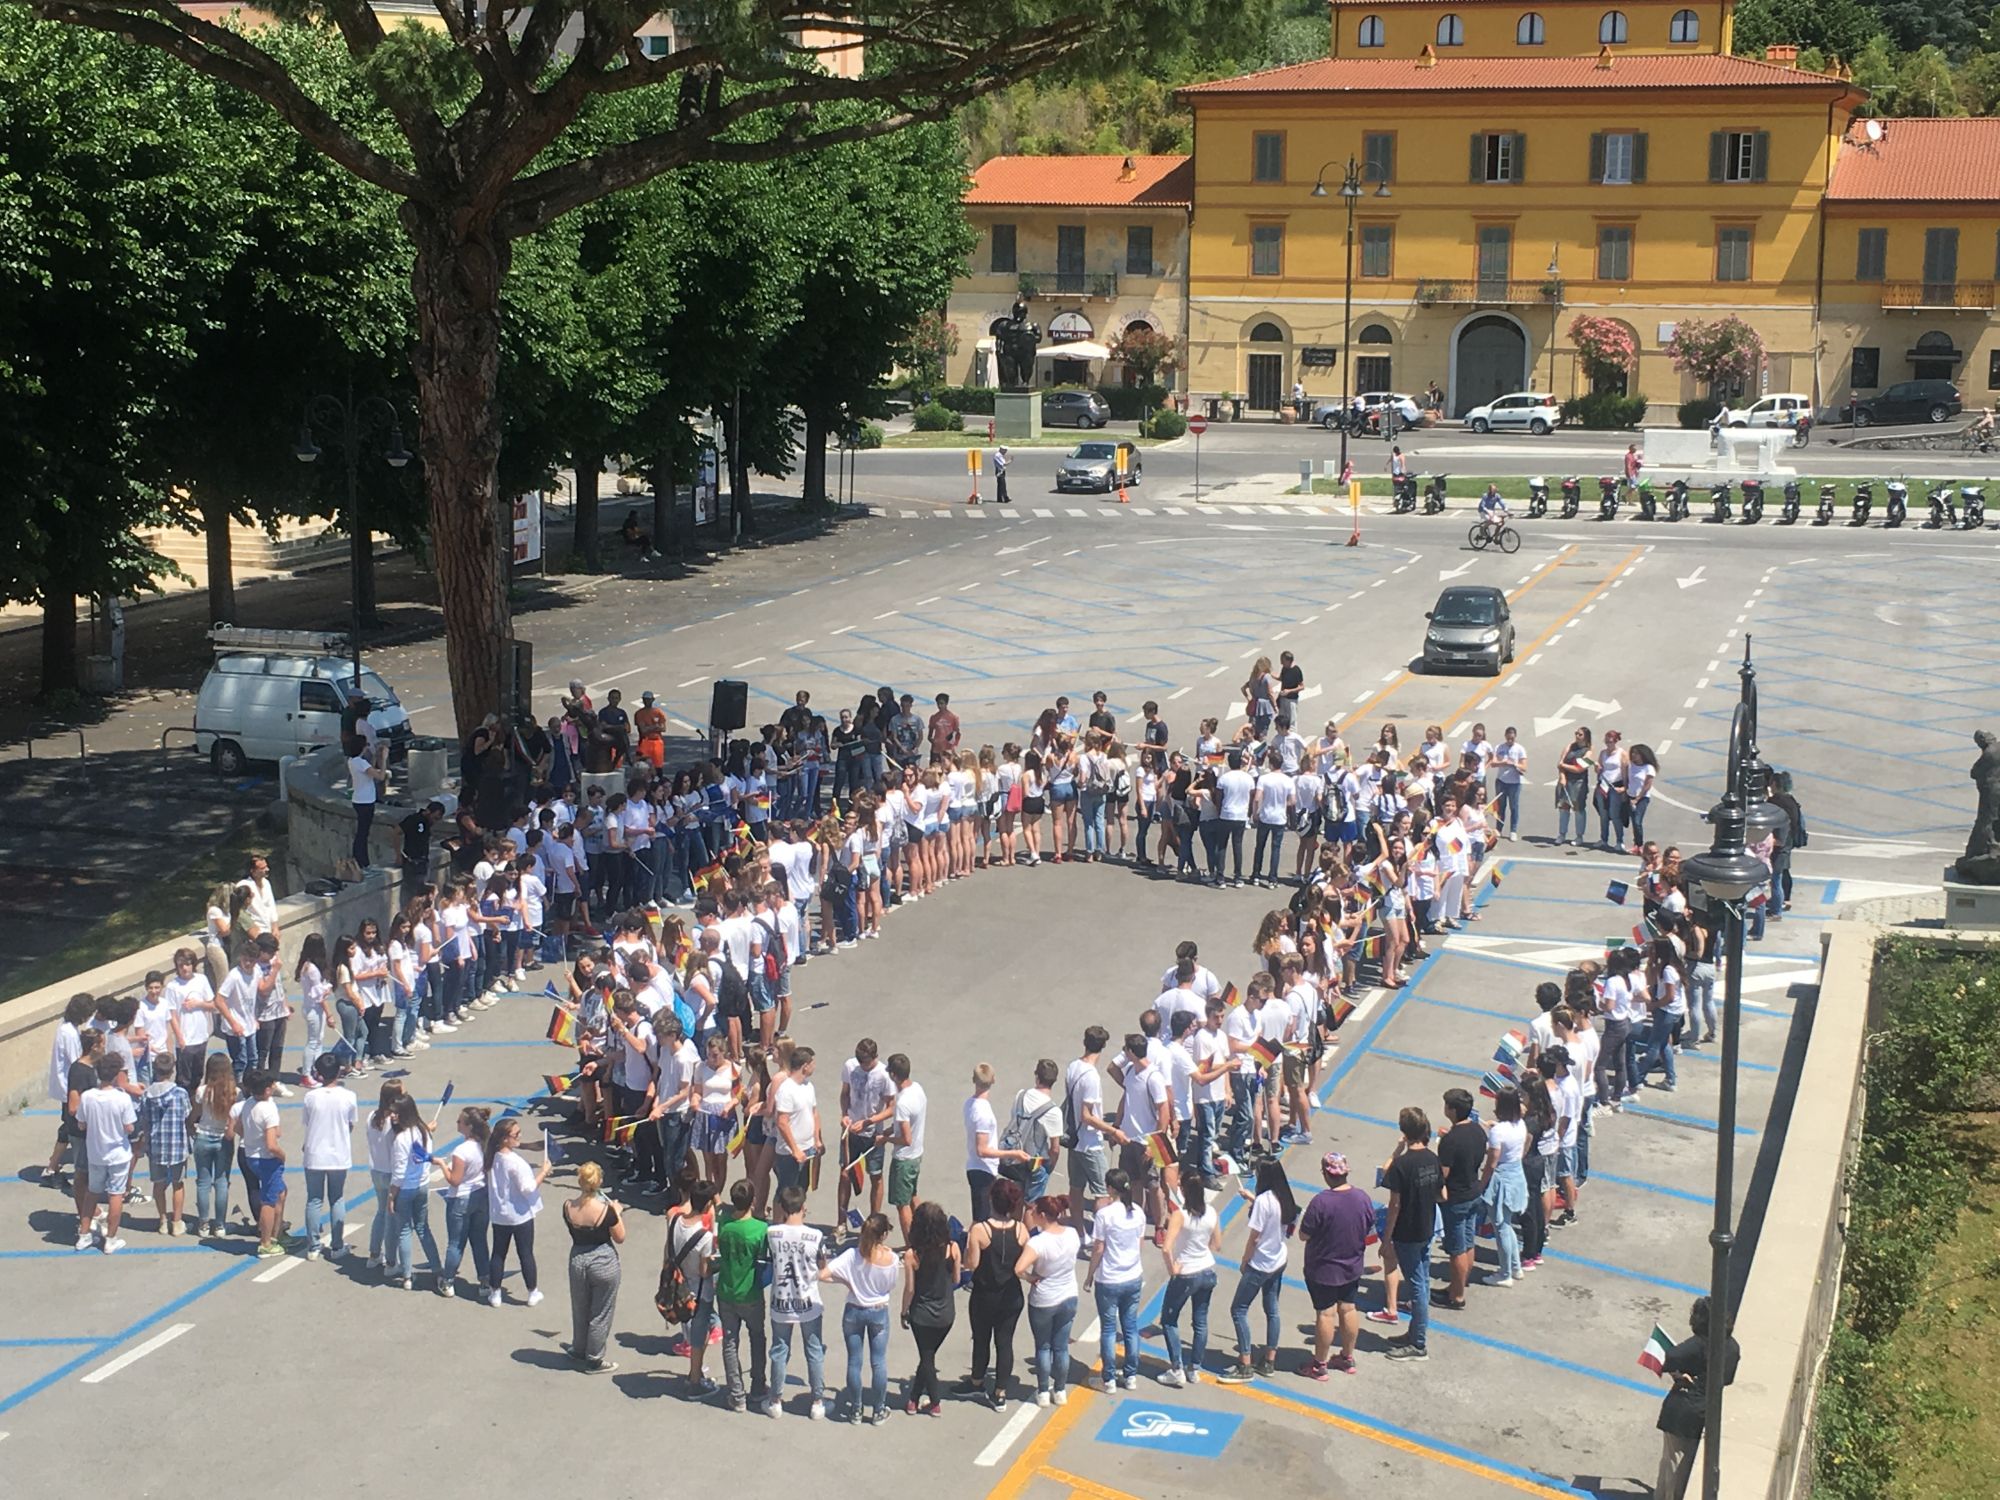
763 995
110 1179
1565 1161
1461 1224
960 814
1064 791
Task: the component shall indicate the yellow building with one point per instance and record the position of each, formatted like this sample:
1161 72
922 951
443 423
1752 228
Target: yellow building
1095 245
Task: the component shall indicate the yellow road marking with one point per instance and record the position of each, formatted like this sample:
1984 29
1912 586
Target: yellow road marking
1024 1468
1090 1489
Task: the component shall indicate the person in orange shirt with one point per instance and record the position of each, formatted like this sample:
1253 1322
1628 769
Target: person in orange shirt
651 722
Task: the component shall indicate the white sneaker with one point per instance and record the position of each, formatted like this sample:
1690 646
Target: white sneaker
1195 1377
87 1240
1061 1397
444 1028
1041 1397
1172 1378
773 1410
1129 1382
817 1411
420 1045
492 1297
281 1091
1497 1281
113 1246
535 1297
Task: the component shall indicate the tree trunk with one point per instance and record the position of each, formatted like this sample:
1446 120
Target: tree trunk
665 504
58 640
460 264
588 545
739 471
815 457
215 526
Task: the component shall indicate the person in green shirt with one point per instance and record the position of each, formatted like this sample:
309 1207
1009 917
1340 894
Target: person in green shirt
741 1253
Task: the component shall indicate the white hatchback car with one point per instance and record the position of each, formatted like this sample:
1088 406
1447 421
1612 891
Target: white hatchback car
1769 411
1531 411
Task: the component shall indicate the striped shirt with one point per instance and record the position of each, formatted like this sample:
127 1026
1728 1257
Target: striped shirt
163 1113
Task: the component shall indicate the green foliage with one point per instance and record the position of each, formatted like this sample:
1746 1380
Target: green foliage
1697 413
1722 353
932 417
1838 27
1604 411
1936 1057
1129 403
1146 354
971 400
1164 423
868 435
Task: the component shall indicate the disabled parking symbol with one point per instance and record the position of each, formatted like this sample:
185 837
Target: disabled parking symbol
1191 1431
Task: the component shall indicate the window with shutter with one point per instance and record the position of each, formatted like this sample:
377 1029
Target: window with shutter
1871 254
1267 157
1639 156
1377 246
1378 152
1738 155
1613 153
1732 253
1001 248
1614 252
1518 165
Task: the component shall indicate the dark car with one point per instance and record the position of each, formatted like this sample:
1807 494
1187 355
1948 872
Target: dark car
1074 409
1910 401
1093 465
1470 626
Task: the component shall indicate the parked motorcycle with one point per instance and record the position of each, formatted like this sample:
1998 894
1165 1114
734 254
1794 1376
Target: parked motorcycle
1538 497
1677 500
1718 500
1607 498
1972 515
1644 494
1790 513
1828 493
1943 501
1899 502
1404 499
1434 495
1572 497
1753 501
1864 502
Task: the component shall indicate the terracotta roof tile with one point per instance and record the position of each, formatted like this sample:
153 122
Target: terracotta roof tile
1935 161
1085 181
1338 75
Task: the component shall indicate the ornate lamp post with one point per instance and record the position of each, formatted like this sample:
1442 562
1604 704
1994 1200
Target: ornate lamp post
349 421
1350 190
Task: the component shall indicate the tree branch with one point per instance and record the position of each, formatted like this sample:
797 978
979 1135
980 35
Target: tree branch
229 57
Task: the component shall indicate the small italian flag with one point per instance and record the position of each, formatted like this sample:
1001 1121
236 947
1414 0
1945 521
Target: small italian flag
1654 1355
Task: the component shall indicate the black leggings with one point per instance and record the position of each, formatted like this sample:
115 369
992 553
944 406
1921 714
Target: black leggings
522 1238
924 1384
1534 1218
994 1315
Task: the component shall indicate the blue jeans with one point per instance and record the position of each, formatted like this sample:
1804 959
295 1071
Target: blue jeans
1610 805
1091 805
781 1352
1181 1291
1241 1105
1271 835
379 1226
324 1190
211 1177
1635 814
870 1324
1416 1263
242 1051
1051 1326
465 1226
406 1013
1658 1050
1118 1321
1207 1130
1756 913
1256 1284
1509 811
1701 999
675 1129
1506 1196
413 1224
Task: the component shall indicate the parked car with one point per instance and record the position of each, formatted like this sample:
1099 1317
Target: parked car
1074 409
261 702
1530 411
1094 466
1470 626
1910 401
1768 411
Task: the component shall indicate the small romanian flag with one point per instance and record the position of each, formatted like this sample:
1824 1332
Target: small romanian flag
1161 1150
562 1028
1654 1355
1231 996
558 1083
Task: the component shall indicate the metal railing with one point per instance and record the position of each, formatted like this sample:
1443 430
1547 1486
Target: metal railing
1976 295
1102 284
1481 290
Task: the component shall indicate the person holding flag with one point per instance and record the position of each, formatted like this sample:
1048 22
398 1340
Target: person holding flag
1684 1412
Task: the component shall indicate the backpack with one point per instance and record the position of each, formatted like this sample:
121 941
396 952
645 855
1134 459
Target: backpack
1121 783
1026 1133
776 958
676 1299
1095 777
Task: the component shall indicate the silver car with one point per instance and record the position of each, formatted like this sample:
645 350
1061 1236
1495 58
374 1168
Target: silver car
1470 626
1094 466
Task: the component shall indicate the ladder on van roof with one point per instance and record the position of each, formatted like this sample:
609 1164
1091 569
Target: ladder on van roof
226 638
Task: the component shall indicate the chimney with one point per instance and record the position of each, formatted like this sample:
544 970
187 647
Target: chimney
1427 58
1604 58
1786 53
1128 171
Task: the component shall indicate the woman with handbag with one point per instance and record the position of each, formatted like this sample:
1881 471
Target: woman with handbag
1573 774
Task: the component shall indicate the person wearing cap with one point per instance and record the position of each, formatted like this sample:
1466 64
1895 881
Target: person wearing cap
1335 1231
1001 460
650 723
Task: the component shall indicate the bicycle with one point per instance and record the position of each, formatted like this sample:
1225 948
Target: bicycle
1494 534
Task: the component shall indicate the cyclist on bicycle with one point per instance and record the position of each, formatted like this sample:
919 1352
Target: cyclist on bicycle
1492 510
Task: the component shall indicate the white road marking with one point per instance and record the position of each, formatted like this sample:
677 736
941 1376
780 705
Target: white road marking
1535 658
1220 670
272 1273
725 614
1281 635
888 613
1308 619
1255 649
691 682
965 588
1174 510
679 628
900 562
1010 572
1009 1433
1043 563
1676 725
1665 746
1486 703
1043 515
800 645
1512 678
427 708
843 630
1391 676
750 663
621 676
133 1356
922 602
1691 703
1072 552
1363 696
1700 685
1179 693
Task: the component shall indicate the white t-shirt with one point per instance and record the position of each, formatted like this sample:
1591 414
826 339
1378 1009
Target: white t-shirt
510 1190
797 1102
1210 1048
868 1089
1121 1230
358 767
108 1115
1639 781
1233 789
1511 1138
381 1145
979 1120
471 1159
153 1018
330 1114
1239 1024
1145 1093
1194 1246
1267 1234
1180 1078
868 1284
1086 1091
1173 1002
1569 1104
1204 983
253 1118
715 1087
677 1071
912 1108
1275 795
794 1250
1510 759
239 996
1053 1274
799 882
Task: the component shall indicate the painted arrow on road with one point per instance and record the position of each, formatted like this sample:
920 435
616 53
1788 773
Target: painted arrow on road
1458 572
1693 578
1010 551
1572 711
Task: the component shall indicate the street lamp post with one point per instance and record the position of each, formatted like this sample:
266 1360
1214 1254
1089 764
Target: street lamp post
349 421
1555 308
1350 190
1727 874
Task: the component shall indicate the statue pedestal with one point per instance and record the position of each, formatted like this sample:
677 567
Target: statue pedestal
1017 415
1975 908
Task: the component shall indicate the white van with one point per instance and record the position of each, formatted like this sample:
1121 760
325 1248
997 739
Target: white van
273 693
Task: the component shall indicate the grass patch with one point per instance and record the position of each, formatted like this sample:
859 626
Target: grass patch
976 438
1515 487
169 906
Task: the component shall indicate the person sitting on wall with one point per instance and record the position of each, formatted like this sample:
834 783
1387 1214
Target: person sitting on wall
632 536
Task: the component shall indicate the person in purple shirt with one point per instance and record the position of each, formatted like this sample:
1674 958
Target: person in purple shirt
1335 1229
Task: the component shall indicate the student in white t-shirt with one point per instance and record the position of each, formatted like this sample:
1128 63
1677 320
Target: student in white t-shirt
1275 795
795 1120
254 1121
330 1112
466 1210
1510 768
107 1116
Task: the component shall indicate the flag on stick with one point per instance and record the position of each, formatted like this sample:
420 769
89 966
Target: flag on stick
551 991
1616 892
1496 879
1265 1050
1231 996
562 1028
559 1083
1341 1009
1654 1355
620 1132
1492 1084
741 1135
1161 1150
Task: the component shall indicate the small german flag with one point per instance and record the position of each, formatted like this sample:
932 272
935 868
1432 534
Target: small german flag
707 875
1372 948
1231 996
1496 879
1265 1050
856 1173
562 1028
1340 1010
1214 758
1161 1150
620 1132
558 1083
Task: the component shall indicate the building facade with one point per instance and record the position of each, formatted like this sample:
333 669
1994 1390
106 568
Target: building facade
1518 164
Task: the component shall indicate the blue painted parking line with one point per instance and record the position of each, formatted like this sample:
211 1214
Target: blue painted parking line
69 1250
1626 1271
1170 1427
48 1343
1517 1023
1439 1066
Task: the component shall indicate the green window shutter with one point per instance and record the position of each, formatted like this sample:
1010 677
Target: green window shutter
1478 169
1639 157
1597 156
1520 157
1718 144
1760 155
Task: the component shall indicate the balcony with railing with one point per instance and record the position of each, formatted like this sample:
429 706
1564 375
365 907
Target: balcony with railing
1928 296
1090 285
1484 291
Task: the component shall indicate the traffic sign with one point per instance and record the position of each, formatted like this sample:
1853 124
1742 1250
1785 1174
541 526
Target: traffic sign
1197 424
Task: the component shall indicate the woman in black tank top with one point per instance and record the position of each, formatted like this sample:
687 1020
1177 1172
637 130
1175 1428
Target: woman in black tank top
930 1268
992 1249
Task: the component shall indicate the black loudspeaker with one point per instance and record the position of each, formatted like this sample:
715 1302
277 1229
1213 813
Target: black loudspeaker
729 704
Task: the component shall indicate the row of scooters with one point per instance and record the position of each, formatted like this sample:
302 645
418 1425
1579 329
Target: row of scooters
1953 506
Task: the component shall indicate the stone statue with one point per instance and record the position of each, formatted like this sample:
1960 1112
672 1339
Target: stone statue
1015 342
1980 864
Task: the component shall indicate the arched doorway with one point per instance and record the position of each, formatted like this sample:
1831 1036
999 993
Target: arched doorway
1489 358
1373 366
1266 371
1934 357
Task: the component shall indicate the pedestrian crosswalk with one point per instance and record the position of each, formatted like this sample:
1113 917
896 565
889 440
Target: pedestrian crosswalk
1109 511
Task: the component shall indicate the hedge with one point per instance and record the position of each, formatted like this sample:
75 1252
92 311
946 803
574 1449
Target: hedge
1699 412
933 417
1164 423
1604 411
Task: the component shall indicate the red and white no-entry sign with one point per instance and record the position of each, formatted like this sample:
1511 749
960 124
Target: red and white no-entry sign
1197 425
